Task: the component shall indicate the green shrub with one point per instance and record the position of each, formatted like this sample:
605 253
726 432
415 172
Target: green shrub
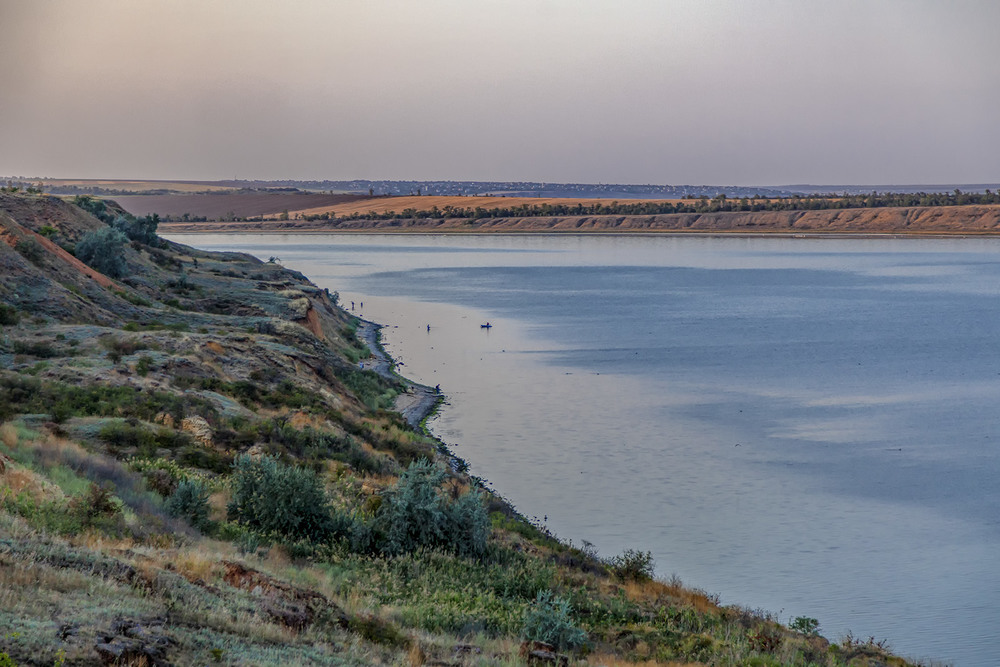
24 394
633 565
119 347
40 349
104 250
415 513
60 412
468 524
161 475
9 315
805 625
48 515
143 365
30 250
548 620
121 435
97 503
271 497
142 230
135 300
190 501
375 391
95 207
197 456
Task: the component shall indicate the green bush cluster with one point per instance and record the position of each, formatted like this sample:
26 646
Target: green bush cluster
96 207
122 435
633 565
375 391
9 315
440 592
134 299
190 501
104 250
143 365
254 394
416 514
313 445
31 250
32 348
21 395
142 230
96 507
548 620
271 497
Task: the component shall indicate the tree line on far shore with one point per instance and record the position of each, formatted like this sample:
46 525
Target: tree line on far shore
703 204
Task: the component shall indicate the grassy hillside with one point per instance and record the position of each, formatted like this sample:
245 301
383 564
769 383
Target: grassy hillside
194 470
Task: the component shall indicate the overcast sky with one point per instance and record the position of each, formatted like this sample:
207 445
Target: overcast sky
624 91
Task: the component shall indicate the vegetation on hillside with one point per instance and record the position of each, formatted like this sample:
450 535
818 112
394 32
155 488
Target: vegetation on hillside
194 470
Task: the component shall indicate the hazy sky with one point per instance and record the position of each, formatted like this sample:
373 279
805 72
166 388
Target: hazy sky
637 91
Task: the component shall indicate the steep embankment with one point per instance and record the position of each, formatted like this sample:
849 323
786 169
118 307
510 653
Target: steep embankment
969 219
194 470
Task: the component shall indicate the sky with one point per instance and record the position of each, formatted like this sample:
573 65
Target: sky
738 92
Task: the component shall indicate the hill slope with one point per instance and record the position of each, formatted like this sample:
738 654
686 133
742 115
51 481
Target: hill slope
194 470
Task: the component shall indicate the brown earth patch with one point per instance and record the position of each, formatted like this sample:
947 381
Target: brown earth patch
425 203
215 206
293 607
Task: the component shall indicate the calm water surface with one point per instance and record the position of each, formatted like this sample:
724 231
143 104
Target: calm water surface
803 425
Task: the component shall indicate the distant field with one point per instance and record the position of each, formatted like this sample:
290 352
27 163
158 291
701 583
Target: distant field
399 204
239 205
270 205
135 186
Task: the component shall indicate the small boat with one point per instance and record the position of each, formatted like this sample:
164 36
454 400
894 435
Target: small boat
486 326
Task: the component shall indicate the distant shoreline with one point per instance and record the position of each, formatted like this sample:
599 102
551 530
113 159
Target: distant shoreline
916 221
167 229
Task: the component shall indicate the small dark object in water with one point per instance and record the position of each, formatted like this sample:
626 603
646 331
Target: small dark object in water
486 326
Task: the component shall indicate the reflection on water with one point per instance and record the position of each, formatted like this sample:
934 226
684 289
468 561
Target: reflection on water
802 425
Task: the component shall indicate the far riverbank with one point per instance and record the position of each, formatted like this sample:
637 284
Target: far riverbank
908 221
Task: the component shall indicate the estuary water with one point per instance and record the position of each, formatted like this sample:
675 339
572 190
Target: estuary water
807 426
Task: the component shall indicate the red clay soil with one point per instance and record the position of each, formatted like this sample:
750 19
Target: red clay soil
312 323
96 276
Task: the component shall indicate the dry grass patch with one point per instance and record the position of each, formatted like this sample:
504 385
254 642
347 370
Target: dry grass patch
8 435
96 541
217 505
195 565
609 660
671 593
17 480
